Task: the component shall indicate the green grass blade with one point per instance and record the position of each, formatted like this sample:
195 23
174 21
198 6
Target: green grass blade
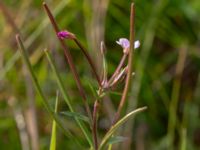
66 98
38 88
53 133
118 124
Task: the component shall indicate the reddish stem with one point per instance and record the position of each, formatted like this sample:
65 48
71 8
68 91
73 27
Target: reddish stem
119 67
88 59
69 60
130 60
94 126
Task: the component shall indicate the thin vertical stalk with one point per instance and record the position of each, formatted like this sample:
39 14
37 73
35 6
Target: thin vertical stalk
88 59
94 127
119 67
140 69
130 61
69 59
54 126
107 104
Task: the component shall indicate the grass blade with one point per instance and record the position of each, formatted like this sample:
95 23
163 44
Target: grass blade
53 133
66 97
35 81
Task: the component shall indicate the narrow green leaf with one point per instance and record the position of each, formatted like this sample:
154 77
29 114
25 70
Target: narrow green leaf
116 139
38 88
118 124
67 99
75 115
53 132
24 54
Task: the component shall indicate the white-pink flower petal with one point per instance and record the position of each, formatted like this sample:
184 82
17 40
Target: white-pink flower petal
125 44
136 44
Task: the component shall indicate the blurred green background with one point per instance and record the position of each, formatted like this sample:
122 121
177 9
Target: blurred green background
167 66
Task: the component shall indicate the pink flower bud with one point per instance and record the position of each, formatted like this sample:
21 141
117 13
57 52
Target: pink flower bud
65 35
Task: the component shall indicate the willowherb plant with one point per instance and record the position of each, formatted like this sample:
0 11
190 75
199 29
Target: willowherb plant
123 73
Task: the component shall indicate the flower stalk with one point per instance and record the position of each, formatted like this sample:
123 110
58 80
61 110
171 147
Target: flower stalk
123 71
119 67
94 126
130 62
69 60
89 59
68 35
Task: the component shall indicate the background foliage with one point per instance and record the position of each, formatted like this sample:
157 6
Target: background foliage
166 67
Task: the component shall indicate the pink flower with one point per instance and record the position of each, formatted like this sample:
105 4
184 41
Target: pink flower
125 44
65 35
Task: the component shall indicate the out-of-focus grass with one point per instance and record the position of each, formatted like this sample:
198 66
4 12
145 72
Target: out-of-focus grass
162 26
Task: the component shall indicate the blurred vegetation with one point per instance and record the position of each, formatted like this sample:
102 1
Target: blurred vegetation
166 65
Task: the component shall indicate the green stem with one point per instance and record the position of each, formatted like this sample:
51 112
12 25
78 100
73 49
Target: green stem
54 126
